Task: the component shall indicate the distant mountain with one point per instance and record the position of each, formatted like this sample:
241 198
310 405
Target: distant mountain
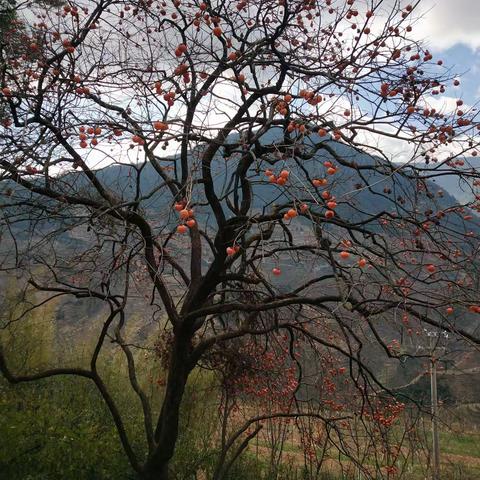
458 187
360 191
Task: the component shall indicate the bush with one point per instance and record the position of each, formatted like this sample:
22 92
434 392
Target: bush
58 429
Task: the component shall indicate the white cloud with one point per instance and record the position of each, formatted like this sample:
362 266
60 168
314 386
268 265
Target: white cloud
444 104
446 23
395 149
442 23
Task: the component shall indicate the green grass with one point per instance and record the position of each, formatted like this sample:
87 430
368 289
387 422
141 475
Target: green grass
460 444
58 429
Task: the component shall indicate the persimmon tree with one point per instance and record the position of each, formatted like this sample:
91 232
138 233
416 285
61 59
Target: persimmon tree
246 189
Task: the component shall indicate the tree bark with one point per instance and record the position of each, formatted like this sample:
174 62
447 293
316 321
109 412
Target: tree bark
152 474
166 433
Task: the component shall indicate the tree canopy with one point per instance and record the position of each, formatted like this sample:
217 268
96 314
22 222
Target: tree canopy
225 168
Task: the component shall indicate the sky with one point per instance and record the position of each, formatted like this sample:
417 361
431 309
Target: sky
452 29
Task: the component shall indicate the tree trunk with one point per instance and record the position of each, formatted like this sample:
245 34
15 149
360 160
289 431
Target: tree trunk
151 474
166 433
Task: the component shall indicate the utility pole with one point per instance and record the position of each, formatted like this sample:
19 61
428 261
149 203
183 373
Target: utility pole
435 439
435 336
